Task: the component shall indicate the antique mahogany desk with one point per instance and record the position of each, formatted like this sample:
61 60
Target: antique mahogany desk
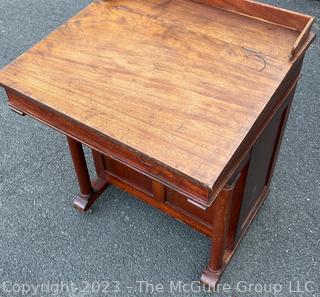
183 102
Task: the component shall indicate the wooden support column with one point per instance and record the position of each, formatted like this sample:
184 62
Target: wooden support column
236 203
89 192
80 167
221 216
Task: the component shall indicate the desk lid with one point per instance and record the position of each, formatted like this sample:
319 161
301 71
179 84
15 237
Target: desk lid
180 82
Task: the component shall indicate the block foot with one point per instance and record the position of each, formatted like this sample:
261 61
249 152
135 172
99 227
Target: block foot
83 202
210 278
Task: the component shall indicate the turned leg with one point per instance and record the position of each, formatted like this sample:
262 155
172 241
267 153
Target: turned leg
221 213
88 192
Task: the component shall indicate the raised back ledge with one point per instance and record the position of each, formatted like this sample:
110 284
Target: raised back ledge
268 13
262 11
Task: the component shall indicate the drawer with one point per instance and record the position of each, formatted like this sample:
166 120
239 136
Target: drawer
128 175
181 203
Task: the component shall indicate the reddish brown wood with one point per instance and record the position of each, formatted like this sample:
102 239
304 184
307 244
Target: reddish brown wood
220 224
236 204
221 218
284 120
84 203
302 39
262 11
98 162
162 91
159 192
88 192
180 202
17 111
176 213
80 167
175 203
262 160
102 144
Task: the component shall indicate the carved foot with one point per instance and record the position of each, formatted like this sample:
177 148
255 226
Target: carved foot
210 278
83 203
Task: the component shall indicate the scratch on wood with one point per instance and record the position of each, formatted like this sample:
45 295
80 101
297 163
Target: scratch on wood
259 55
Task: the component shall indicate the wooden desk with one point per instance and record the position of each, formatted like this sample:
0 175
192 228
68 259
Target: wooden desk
183 103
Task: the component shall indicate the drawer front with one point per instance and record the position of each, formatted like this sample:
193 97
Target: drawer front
182 204
128 175
155 190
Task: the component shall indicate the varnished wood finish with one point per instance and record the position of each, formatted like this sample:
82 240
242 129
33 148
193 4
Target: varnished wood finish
84 203
236 204
221 219
183 103
80 167
302 38
283 17
262 11
167 80
88 192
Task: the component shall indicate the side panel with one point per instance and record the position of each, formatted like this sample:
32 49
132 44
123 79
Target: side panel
262 159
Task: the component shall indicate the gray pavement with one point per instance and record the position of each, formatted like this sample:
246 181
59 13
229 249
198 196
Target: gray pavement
43 240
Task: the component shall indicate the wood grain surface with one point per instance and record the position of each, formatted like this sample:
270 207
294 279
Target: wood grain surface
176 81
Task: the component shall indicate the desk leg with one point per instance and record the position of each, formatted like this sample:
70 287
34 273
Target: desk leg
89 192
221 216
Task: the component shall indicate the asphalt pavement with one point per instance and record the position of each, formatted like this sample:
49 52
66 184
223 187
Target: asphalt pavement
43 240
